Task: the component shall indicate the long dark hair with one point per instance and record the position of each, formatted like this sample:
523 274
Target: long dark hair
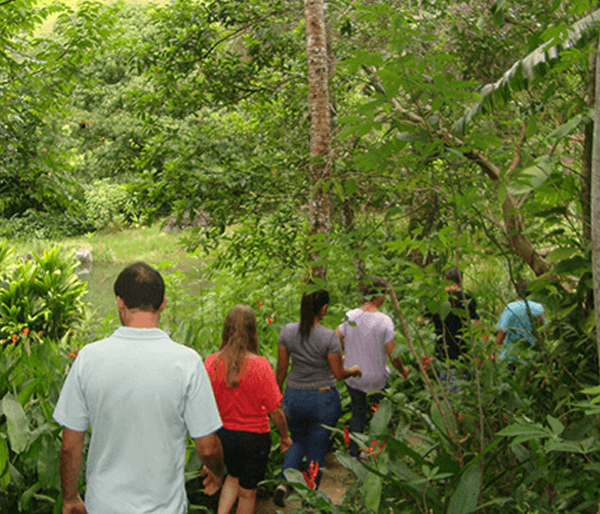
310 308
239 336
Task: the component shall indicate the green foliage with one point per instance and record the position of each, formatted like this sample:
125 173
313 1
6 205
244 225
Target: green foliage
41 299
107 204
41 307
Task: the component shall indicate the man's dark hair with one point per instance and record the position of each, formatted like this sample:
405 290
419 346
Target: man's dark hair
373 286
141 287
522 288
454 275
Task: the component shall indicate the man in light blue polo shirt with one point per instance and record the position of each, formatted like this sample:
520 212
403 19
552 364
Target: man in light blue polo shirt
516 321
140 393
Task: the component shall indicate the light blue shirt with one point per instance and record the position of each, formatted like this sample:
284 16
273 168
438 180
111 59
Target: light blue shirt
516 321
140 393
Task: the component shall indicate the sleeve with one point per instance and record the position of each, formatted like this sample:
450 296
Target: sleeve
333 344
388 330
201 414
505 321
271 394
282 339
71 409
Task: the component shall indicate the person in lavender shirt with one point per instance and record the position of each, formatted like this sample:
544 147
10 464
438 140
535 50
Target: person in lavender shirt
367 337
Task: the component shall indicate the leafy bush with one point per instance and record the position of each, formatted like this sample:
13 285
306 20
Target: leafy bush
107 204
41 225
41 308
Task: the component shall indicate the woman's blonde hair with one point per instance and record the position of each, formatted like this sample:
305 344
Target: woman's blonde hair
239 336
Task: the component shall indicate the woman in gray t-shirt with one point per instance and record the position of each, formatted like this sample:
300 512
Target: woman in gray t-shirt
311 398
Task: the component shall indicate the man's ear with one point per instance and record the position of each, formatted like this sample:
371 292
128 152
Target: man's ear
120 303
162 305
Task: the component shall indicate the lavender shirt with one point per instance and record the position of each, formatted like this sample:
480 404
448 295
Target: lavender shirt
366 334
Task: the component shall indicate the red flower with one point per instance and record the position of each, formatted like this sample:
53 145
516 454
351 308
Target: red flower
74 355
14 338
25 331
426 362
485 337
370 450
269 320
381 448
346 436
310 477
259 303
375 407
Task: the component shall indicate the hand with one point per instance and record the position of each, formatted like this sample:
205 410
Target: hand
356 371
404 372
285 443
74 506
212 483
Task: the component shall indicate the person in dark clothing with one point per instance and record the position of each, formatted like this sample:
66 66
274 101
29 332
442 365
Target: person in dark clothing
450 329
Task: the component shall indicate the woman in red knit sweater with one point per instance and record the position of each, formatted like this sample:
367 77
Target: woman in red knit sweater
247 396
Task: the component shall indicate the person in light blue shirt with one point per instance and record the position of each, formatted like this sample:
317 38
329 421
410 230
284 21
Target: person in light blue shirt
516 321
141 394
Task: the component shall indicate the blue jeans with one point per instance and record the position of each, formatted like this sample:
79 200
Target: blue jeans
306 412
359 404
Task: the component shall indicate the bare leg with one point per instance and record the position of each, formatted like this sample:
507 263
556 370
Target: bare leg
229 494
247 501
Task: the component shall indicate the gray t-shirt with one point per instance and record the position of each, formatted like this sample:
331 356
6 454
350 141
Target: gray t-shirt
310 367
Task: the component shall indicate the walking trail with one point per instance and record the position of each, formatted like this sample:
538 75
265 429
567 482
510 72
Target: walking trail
334 483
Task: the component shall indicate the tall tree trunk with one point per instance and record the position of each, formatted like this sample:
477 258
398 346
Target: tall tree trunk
320 124
586 158
596 203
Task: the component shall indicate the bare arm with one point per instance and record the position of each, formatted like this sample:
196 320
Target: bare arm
339 371
283 361
500 336
396 361
278 418
210 452
71 458
341 338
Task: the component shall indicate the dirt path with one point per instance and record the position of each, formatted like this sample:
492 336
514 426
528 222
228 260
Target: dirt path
334 483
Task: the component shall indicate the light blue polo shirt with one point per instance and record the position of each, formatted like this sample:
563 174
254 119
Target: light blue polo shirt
515 321
139 392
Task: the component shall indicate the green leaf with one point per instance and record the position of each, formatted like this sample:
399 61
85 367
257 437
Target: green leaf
555 425
4 461
18 427
373 487
530 431
381 419
464 499
560 254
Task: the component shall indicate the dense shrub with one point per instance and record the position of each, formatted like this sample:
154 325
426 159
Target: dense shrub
41 310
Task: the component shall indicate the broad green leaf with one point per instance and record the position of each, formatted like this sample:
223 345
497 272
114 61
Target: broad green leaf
532 431
18 427
464 499
372 487
381 419
560 254
555 425
48 464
